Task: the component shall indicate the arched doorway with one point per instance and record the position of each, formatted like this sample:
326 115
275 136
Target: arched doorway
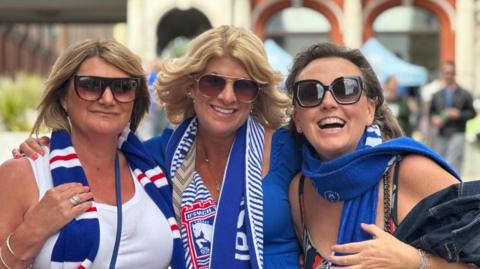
178 26
412 33
296 28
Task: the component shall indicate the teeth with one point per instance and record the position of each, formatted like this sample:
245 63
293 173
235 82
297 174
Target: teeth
331 121
223 110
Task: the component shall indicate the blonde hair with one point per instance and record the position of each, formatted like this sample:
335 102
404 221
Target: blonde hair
52 114
175 80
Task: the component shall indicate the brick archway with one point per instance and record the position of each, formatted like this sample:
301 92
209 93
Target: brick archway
265 12
447 35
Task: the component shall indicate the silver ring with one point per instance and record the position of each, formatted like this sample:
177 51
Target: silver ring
75 200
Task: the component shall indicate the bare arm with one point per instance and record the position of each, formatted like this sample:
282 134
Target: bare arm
29 221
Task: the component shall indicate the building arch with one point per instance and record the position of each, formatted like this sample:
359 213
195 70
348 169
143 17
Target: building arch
263 12
193 23
440 8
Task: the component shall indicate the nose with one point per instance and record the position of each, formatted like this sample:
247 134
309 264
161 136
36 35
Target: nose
228 94
328 101
107 96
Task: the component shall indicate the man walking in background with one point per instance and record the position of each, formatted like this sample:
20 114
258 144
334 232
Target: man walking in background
450 109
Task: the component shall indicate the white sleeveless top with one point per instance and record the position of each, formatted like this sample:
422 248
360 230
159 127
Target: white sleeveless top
146 240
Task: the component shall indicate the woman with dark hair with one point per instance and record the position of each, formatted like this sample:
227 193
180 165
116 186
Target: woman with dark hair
360 182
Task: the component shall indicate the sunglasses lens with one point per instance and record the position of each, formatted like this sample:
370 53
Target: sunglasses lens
346 91
245 90
91 88
211 85
309 93
124 89
88 88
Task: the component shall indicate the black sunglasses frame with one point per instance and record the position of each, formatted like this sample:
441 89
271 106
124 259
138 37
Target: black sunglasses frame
104 82
327 88
234 80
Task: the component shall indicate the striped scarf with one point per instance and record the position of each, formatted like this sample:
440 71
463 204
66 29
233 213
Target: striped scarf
78 240
234 233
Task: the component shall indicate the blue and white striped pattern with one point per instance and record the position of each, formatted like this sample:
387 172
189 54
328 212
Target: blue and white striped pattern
254 193
184 146
252 189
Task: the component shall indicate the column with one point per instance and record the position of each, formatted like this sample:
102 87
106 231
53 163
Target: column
353 23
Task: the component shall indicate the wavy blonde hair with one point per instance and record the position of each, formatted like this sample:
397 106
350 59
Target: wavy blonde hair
51 113
175 79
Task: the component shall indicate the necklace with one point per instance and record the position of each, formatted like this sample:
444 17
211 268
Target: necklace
209 172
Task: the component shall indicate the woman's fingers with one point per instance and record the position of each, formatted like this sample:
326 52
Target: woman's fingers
31 148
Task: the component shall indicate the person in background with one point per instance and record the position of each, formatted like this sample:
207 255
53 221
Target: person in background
450 109
94 199
229 165
359 181
398 104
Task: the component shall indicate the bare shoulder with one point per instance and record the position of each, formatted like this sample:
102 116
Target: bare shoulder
294 203
15 173
422 176
293 188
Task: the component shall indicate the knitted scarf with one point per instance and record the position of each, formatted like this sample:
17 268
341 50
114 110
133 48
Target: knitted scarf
354 178
230 234
78 240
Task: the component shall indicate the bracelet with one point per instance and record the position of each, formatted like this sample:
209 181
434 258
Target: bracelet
10 249
423 259
3 261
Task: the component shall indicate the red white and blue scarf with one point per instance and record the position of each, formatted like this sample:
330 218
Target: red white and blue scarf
78 241
228 234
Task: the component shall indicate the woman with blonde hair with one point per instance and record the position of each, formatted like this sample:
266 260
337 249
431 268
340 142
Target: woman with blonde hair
95 199
224 95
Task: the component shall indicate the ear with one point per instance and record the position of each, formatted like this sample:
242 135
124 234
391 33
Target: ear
371 107
63 102
296 120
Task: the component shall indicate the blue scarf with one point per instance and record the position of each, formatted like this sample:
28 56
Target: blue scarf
78 241
354 178
237 234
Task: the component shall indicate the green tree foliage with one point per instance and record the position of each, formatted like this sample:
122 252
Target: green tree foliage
19 97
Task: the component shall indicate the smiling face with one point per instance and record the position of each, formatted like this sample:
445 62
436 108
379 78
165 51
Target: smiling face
333 129
222 115
105 116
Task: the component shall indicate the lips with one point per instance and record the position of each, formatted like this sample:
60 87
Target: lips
223 110
331 122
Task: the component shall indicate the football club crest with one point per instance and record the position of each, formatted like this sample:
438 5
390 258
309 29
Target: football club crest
198 220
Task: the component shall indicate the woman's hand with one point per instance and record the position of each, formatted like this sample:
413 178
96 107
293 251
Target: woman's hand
383 251
57 208
31 148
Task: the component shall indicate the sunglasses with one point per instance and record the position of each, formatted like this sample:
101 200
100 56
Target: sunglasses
345 91
211 85
91 88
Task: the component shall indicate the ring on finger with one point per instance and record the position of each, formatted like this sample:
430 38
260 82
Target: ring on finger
75 200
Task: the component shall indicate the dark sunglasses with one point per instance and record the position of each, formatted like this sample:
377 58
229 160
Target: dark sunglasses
211 85
345 91
91 88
